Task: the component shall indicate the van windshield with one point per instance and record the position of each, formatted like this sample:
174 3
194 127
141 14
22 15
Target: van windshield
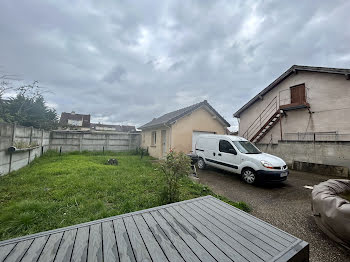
246 147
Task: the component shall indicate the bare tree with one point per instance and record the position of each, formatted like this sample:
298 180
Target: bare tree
24 103
30 91
6 82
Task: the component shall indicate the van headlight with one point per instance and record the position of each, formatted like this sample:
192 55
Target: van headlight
266 164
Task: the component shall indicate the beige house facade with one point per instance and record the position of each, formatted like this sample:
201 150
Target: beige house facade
303 104
177 130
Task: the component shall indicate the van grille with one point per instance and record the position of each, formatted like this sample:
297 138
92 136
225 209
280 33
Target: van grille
280 167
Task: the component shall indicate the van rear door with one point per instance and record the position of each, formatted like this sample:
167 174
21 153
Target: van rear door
210 152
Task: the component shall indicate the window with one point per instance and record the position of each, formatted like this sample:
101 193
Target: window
226 147
246 147
154 138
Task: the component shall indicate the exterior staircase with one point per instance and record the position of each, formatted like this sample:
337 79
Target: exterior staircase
289 99
267 126
267 119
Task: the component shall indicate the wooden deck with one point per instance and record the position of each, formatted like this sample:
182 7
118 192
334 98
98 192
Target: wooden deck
201 229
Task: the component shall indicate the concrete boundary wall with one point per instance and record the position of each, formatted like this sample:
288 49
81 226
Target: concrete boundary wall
322 153
65 141
10 134
93 141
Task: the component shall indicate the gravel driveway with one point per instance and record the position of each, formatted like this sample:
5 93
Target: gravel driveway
286 206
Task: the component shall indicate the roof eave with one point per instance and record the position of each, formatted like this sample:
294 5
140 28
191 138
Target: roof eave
154 126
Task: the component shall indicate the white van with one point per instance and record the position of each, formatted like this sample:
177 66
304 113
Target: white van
238 155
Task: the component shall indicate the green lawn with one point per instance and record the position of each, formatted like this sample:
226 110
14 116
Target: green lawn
57 191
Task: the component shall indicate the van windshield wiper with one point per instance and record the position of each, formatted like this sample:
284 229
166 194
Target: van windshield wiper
253 153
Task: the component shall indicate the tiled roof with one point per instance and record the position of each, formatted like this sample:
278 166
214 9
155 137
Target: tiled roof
171 117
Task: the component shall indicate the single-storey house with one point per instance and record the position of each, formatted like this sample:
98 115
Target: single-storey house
305 103
178 130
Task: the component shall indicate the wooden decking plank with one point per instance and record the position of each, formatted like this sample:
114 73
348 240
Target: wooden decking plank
203 229
151 243
35 249
50 249
138 246
58 230
64 252
220 240
18 251
190 239
250 226
174 237
230 238
298 251
110 250
259 243
255 222
169 249
80 248
95 243
233 238
5 250
124 247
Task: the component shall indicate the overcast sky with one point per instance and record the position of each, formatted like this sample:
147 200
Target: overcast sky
126 62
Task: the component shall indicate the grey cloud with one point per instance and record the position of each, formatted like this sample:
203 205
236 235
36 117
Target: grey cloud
118 73
127 63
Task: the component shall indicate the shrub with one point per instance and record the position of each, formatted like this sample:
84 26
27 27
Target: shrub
175 167
140 151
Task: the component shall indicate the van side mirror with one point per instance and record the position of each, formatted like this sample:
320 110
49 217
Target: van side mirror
232 151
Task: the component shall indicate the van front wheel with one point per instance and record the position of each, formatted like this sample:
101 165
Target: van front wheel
248 175
201 163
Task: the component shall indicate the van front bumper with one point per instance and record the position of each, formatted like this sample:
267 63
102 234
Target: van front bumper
272 176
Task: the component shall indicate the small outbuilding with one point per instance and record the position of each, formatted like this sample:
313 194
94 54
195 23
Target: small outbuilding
178 130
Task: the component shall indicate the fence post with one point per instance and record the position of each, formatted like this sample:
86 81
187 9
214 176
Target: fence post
12 141
80 142
129 141
30 143
42 141
107 142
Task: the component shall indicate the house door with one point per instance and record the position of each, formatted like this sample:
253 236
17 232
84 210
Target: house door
163 136
297 94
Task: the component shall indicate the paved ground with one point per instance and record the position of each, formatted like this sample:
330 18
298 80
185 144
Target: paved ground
286 206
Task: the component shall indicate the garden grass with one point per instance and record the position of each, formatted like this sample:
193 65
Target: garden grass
56 191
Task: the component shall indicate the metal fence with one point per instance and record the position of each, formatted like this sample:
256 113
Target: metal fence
316 136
